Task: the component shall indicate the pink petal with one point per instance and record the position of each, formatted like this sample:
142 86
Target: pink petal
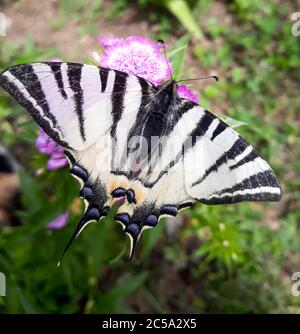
54 164
186 93
48 146
44 143
59 222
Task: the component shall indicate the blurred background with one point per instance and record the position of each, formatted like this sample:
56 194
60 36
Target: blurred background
218 259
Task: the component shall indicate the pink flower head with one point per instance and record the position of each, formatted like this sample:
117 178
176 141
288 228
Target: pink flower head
186 93
46 145
59 222
136 55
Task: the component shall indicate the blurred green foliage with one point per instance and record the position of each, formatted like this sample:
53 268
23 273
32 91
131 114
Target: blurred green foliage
236 258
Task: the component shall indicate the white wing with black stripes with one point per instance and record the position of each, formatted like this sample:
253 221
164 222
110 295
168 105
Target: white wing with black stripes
72 102
126 138
223 168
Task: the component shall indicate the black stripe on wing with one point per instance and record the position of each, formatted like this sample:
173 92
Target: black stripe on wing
118 100
147 90
249 157
252 188
74 76
262 179
56 69
103 72
202 126
219 129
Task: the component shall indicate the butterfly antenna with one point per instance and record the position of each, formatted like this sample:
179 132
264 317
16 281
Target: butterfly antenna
200 78
162 43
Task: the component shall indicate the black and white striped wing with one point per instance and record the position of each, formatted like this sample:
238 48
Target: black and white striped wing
75 104
221 167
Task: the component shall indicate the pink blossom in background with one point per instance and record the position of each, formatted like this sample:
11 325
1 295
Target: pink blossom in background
186 93
46 145
59 222
57 160
136 55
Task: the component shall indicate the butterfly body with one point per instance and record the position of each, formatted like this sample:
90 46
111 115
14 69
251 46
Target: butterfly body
138 145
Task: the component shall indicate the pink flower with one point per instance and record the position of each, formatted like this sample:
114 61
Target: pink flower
46 145
57 160
186 93
59 222
136 55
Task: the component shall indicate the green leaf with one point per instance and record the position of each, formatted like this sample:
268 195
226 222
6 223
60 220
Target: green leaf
181 10
150 239
32 194
234 123
176 55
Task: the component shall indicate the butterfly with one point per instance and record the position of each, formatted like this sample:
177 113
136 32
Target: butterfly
138 145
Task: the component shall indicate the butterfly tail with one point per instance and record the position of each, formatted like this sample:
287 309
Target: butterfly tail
92 215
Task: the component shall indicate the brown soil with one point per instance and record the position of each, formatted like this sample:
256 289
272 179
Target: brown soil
34 19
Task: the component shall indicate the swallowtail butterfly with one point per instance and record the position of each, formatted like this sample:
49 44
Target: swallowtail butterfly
127 138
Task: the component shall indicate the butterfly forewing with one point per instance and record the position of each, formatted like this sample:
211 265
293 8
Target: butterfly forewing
223 168
73 103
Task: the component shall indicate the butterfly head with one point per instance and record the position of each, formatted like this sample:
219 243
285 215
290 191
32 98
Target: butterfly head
168 90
